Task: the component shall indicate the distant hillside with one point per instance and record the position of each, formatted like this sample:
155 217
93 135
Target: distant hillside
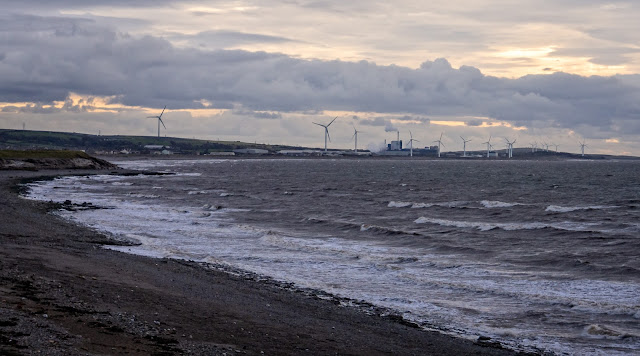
25 139
105 145
50 159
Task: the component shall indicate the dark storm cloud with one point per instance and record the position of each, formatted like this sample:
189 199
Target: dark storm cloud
45 58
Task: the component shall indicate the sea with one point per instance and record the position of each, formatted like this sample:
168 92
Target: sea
540 256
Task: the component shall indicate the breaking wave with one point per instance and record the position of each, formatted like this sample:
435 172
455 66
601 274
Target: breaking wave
484 226
566 209
497 204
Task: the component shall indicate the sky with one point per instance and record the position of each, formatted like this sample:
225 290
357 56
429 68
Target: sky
555 72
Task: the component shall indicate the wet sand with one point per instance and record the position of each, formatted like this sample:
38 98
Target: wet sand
61 293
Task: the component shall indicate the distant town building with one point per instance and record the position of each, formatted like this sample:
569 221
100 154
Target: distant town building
395 146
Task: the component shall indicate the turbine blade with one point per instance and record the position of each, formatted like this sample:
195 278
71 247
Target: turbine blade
328 135
334 119
319 124
162 122
163 111
149 117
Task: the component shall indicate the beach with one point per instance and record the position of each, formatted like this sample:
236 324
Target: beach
62 293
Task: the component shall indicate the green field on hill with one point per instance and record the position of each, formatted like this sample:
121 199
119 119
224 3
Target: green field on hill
37 154
26 139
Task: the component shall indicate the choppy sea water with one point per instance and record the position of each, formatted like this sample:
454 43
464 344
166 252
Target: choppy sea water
537 255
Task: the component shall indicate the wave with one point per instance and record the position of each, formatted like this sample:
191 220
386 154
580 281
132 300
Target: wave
421 205
484 226
139 195
196 192
497 204
566 209
405 204
364 227
399 204
605 332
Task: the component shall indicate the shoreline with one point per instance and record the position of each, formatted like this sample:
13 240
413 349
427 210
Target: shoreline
62 293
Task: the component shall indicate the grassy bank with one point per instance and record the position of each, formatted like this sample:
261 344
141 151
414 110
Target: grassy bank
37 154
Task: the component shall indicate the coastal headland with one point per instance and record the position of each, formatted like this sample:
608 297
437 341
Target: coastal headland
124 147
62 293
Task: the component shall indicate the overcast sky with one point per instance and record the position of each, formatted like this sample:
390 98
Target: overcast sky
537 71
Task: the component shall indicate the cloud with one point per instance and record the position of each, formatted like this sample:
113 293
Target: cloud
389 127
46 58
474 122
605 56
225 39
57 4
258 114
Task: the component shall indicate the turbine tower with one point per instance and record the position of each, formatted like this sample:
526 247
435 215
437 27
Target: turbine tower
159 117
355 135
583 144
326 132
534 145
553 144
464 146
510 147
489 146
546 146
439 142
411 144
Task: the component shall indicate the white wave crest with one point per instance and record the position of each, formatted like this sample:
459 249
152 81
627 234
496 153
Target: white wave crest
399 204
497 204
421 205
194 192
484 226
566 209
404 204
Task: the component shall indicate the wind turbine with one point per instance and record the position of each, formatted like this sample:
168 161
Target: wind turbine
583 144
355 135
510 147
411 144
439 141
546 146
464 146
534 145
326 132
553 144
159 117
489 145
